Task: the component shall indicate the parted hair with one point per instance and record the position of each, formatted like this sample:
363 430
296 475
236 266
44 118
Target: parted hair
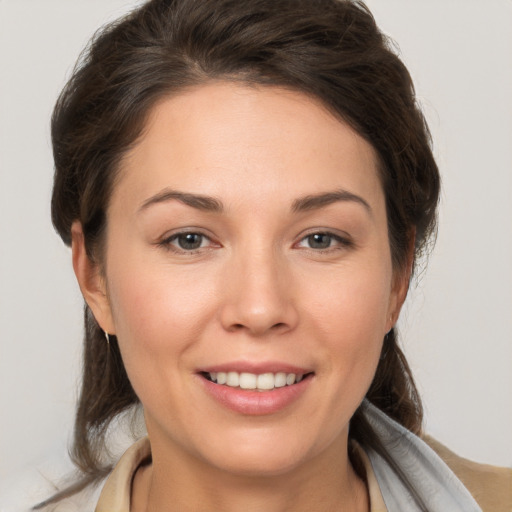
331 50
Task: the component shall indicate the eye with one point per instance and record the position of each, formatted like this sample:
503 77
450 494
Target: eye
186 242
323 241
319 241
190 241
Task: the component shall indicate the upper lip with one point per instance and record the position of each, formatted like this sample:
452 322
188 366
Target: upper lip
256 367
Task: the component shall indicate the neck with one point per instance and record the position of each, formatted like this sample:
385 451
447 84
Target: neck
326 483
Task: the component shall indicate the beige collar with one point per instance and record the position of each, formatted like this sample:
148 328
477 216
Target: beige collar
376 500
116 493
115 496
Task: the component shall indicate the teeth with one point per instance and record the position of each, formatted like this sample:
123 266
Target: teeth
248 380
266 381
233 379
280 380
261 382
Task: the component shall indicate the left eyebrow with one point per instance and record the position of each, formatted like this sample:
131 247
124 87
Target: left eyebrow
313 202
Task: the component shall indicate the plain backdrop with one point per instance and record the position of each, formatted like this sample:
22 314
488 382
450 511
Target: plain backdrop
457 324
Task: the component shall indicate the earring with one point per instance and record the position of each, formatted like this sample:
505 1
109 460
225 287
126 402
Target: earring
107 337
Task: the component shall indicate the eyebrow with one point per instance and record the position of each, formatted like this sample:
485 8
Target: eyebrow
212 204
198 201
313 202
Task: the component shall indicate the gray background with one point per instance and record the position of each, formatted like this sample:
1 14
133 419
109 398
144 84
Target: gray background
457 326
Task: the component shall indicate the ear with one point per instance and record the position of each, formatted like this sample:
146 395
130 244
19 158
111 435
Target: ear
92 283
401 280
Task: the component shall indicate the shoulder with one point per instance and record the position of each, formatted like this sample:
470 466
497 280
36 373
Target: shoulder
490 486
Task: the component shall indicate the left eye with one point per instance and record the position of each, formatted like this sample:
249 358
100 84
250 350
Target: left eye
320 241
188 241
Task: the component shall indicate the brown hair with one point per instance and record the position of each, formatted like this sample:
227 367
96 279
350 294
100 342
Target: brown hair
329 49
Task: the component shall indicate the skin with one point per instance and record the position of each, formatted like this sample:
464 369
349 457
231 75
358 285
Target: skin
257 289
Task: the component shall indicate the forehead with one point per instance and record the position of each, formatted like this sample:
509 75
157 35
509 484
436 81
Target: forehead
237 141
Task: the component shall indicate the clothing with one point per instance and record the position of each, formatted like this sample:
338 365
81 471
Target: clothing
426 463
431 479
115 496
445 482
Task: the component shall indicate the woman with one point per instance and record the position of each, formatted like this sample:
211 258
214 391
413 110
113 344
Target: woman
246 187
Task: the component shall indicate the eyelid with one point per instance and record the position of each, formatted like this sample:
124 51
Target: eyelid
166 240
345 241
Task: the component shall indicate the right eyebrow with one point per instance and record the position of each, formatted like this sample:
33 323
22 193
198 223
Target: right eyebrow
313 202
199 201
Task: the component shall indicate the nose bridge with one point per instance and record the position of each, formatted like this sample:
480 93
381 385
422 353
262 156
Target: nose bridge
259 295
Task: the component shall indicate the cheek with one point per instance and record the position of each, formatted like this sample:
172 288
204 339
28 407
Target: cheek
350 315
352 302
158 314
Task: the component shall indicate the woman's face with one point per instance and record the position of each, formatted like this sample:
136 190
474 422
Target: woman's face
247 235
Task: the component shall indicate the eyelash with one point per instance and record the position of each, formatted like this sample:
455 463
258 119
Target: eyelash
167 243
341 242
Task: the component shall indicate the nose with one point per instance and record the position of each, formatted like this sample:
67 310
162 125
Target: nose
258 296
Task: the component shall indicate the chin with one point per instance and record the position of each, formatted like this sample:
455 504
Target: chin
268 455
260 466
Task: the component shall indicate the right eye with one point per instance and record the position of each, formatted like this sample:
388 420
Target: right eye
186 242
320 240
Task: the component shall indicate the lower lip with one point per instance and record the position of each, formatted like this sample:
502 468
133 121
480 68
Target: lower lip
256 402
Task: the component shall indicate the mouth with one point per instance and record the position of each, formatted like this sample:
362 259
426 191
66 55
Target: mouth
256 382
256 388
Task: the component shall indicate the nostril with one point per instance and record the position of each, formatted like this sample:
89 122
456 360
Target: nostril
235 327
279 326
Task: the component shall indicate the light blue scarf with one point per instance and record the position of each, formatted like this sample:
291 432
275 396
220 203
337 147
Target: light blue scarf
429 478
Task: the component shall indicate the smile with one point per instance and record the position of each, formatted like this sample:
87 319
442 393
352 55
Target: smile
252 381
259 393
